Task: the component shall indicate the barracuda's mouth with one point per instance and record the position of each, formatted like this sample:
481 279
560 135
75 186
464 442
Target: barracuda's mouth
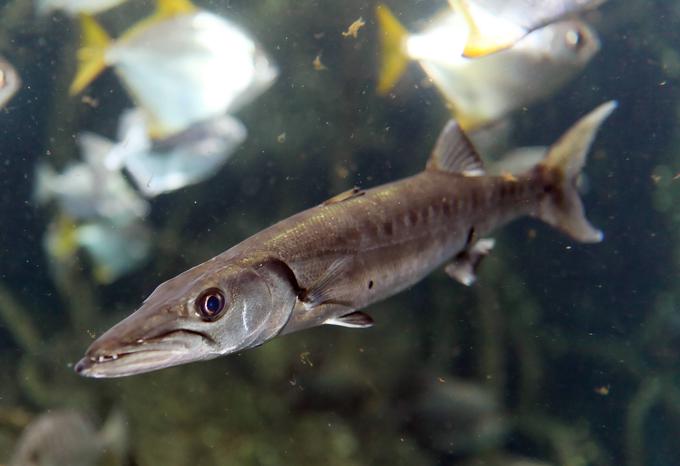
168 349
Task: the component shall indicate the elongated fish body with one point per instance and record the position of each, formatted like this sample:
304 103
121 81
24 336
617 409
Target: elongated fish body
388 238
323 265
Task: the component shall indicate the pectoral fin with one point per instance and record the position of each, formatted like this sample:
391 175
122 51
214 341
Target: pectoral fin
464 266
356 319
328 287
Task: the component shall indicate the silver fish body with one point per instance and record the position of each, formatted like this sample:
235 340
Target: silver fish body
323 265
207 64
485 89
75 7
183 159
533 14
10 82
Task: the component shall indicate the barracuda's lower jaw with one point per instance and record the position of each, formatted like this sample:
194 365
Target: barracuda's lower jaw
180 348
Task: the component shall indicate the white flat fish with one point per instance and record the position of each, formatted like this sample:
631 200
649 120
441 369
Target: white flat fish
483 90
115 250
190 68
186 158
533 14
10 82
75 7
495 25
89 190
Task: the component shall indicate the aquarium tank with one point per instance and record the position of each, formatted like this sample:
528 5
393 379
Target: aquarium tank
312 232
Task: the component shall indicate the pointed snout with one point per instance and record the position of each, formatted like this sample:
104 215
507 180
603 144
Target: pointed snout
147 340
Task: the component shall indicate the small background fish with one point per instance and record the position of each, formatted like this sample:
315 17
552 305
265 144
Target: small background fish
10 82
66 437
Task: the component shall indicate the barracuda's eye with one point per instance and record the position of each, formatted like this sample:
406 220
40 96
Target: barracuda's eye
210 304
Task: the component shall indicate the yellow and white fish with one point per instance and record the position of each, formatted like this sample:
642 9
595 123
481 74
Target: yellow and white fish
89 190
181 66
75 7
493 25
115 250
483 90
184 159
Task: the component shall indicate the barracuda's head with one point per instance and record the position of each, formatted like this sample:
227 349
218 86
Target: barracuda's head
205 312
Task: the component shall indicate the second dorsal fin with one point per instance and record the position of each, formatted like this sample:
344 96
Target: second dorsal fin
454 153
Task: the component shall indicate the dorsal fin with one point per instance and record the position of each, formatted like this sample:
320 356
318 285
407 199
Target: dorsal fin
454 153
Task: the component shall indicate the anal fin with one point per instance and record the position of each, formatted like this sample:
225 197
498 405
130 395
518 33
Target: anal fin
464 266
356 319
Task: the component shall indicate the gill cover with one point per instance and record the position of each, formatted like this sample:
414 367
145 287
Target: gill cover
261 299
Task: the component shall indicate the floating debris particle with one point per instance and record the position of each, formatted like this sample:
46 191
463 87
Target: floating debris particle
507 176
304 359
341 172
603 390
353 29
318 66
91 101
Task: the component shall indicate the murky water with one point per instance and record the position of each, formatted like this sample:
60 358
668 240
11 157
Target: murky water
561 353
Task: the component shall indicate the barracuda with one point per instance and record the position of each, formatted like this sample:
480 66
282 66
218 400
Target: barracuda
325 264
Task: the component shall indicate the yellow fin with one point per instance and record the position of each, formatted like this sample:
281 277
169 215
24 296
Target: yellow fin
165 9
63 238
394 60
170 8
485 42
91 61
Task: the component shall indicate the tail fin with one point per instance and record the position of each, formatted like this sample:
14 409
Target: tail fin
169 8
91 61
564 162
394 60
